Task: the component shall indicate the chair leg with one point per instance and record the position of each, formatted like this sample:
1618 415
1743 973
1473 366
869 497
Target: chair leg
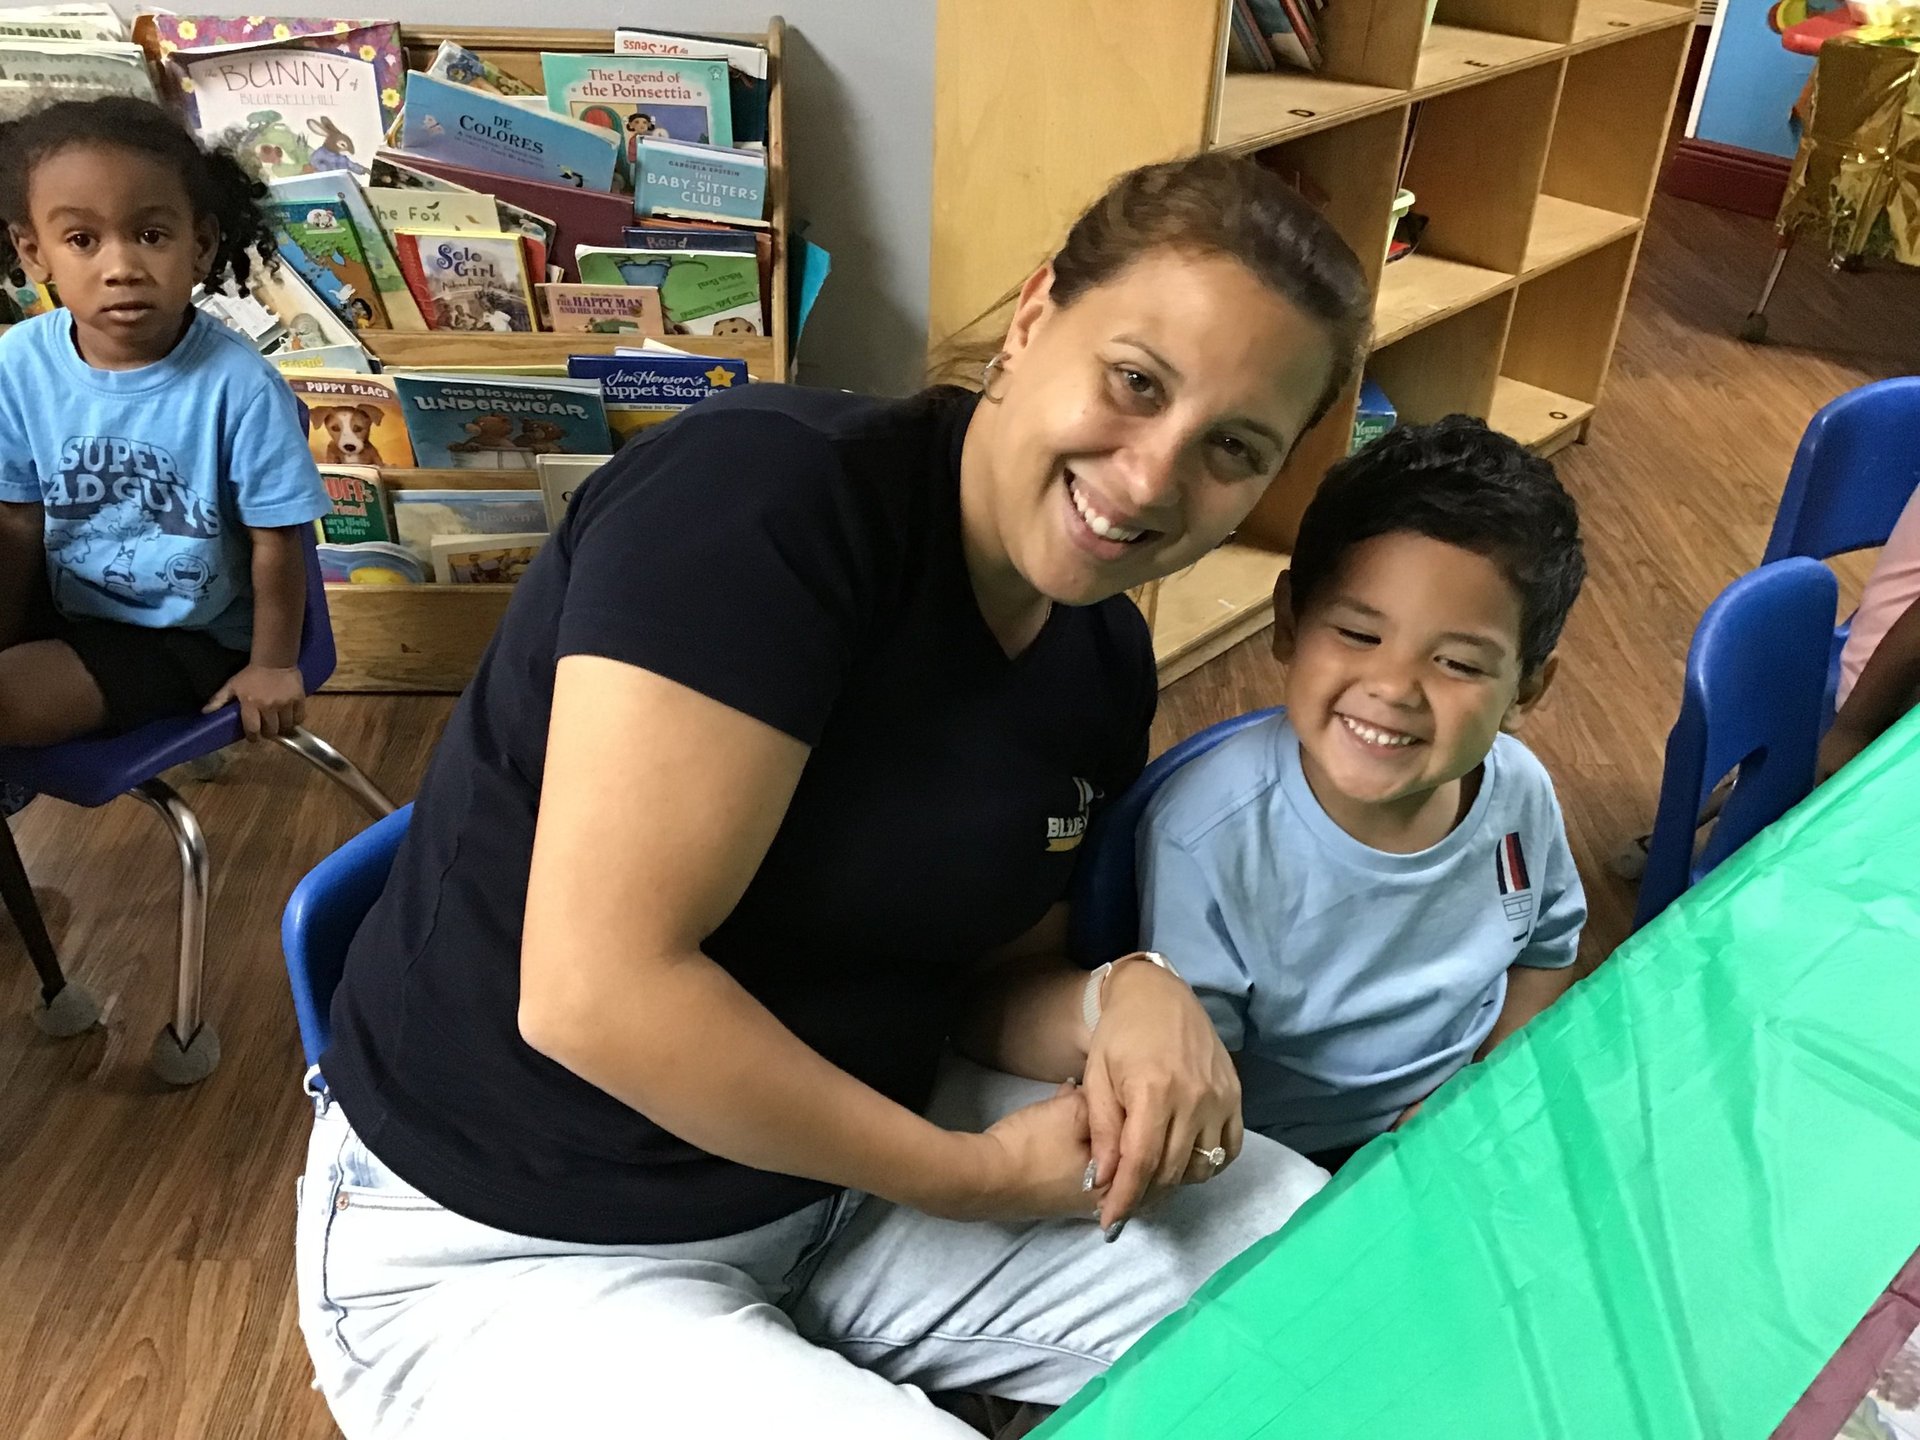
187 1050
337 768
65 1008
1755 328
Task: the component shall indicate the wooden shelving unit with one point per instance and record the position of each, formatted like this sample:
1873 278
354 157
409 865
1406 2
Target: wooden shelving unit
1538 127
430 637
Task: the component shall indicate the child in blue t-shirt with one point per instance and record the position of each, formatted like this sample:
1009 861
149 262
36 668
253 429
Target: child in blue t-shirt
1375 888
154 474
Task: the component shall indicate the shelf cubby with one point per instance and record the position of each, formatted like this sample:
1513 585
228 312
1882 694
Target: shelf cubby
1448 368
1564 323
1528 19
1352 171
1611 128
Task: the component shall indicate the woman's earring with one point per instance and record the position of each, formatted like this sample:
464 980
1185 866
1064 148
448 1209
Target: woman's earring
991 369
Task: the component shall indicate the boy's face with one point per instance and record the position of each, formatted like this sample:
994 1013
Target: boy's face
115 233
1402 671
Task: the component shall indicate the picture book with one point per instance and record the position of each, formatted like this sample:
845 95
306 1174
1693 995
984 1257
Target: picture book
603 309
460 422
653 236
468 127
471 281
704 182
462 66
324 357
84 23
635 96
311 323
359 502
243 315
746 64
574 216
294 96
701 294
391 285
374 562
560 476
421 515
317 238
485 559
413 209
643 390
352 419
34 71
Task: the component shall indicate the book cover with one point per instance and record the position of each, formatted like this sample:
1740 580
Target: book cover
243 315
560 476
702 294
603 309
359 503
318 239
654 236
461 66
421 515
644 390
311 323
462 423
382 265
470 281
702 182
485 559
292 95
34 71
748 85
415 209
578 217
83 23
352 419
373 562
636 96
468 127
308 244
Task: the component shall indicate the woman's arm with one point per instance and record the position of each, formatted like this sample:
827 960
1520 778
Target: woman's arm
1159 1085
656 810
1888 685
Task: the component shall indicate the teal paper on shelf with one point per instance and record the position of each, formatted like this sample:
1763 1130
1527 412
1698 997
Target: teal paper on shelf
1656 1212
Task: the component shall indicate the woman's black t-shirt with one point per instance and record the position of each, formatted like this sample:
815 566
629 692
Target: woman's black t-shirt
796 555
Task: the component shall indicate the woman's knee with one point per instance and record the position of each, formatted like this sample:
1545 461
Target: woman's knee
1199 1228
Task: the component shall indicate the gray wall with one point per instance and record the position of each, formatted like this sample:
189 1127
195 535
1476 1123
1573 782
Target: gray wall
859 146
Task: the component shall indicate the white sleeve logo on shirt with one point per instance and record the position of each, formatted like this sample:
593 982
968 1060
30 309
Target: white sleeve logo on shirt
1516 886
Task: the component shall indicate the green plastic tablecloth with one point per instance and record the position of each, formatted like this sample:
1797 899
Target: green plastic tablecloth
1656 1212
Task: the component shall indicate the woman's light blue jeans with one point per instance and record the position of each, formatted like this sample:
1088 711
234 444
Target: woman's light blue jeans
833 1322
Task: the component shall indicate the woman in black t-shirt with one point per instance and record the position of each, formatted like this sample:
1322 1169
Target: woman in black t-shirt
766 797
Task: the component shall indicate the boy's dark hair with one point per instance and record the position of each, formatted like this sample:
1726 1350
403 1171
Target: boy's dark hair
218 187
1463 484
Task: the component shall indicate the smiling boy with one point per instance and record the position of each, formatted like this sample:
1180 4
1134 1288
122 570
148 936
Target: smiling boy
1375 888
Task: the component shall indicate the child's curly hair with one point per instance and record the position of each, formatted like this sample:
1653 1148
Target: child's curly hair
218 186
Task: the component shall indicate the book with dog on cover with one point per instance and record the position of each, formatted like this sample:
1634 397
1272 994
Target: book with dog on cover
352 419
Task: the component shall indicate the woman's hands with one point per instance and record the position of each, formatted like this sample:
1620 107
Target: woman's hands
1159 1087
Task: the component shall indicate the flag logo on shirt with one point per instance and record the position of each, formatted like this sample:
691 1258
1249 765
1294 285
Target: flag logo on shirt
1065 832
1516 886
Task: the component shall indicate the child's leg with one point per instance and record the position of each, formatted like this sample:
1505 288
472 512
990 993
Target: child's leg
47 695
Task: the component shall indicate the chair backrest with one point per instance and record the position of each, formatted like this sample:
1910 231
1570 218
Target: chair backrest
324 914
1857 466
1106 899
1754 698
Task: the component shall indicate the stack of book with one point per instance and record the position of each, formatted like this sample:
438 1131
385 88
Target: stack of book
1265 34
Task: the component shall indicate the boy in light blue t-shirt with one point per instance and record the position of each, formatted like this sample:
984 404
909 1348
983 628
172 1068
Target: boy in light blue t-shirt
155 478
1374 889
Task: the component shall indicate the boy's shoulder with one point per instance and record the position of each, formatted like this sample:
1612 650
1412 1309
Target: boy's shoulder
1523 787
1230 784
31 338
230 353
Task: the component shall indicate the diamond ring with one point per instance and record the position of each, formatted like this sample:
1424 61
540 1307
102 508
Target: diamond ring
1216 1157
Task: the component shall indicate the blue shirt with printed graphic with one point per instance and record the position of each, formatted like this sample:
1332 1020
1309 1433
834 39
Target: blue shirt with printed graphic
150 477
1349 982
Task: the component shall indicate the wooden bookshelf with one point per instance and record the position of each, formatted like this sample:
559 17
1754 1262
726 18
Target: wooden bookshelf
430 637
1536 145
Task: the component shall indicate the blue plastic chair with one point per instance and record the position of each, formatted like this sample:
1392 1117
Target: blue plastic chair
1753 705
1857 466
1106 896
324 914
93 771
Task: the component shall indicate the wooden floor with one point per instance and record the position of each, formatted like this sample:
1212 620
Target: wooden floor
146 1236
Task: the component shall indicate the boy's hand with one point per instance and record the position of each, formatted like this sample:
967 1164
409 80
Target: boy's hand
272 701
